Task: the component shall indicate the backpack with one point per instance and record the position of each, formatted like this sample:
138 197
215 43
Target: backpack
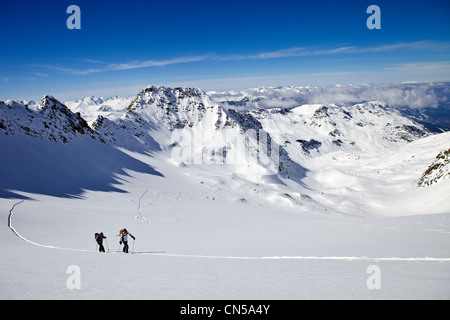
98 238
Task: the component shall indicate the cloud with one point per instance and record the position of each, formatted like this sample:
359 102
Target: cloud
433 68
329 93
285 53
101 66
40 74
152 63
420 72
413 95
315 51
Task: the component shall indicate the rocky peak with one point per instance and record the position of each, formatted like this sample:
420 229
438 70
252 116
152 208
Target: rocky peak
51 120
439 170
60 116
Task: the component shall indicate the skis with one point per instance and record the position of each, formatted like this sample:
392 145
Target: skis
120 251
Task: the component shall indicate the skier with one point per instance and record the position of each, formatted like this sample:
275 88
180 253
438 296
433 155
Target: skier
124 239
99 238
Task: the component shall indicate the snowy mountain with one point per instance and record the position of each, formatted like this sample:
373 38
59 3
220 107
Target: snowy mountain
50 119
425 103
92 107
189 128
51 150
321 129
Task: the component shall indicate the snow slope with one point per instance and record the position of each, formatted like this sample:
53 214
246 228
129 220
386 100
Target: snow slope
200 244
217 229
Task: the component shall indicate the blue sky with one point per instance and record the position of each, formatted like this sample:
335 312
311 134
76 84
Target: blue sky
124 46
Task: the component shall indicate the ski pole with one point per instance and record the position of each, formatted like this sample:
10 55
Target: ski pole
107 246
132 250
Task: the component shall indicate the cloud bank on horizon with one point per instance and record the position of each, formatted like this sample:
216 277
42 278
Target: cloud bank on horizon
412 95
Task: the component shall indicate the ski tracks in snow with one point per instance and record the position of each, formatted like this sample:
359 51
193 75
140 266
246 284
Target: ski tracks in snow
139 208
196 256
337 258
10 220
10 225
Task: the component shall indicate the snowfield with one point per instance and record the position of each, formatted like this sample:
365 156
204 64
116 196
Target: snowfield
314 230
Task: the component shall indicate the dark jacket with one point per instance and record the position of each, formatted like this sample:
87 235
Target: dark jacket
99 238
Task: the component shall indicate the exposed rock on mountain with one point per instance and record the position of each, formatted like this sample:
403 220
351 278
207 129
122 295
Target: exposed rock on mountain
50 119
438 171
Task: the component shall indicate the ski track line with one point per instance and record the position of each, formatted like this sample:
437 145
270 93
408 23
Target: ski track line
10 225
139 208
337 258
418 259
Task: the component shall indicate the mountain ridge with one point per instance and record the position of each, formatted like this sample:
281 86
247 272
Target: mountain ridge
310 151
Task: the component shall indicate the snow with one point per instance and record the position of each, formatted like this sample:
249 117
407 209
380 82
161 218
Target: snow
92 107
198 248
212 230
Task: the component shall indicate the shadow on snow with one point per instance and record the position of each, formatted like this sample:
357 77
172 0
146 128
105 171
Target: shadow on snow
63 170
